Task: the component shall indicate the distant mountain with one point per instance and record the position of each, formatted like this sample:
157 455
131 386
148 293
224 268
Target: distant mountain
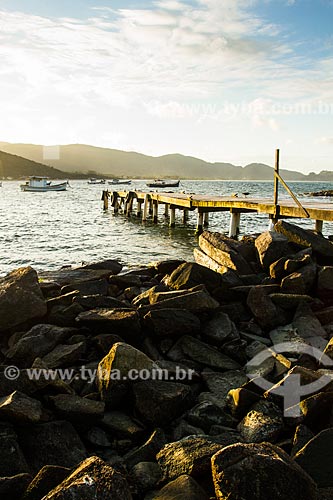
16 167
91 160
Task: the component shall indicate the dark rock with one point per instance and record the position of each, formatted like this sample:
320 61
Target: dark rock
20 292
172 322
325 316
206 414
12 460
19 408
184 487
123 281
194 301
239 400
262 307
65 316
185 429
98 302
92 479
302 436
263 423
65 355
47 478
221 383
62 300
124 322
74 276
202 353
160 402
14 486
166 266
220 329
296 263
37 342
271 246
146 475
300 282
146 452
224 251
259 472
121 425
316 458
189 456
52 443
75 408
94 287
290 301
190 274
111 265
305 238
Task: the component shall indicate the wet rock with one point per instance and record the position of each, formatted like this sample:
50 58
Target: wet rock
166 266
146 475
194 301
271 246
52 443
160 402
290 301
47 478
65 355
172 322
98 302
206 414
297 262
221 383
92 479
220 329
259 472
190 274
69 276
195 453
302 436
20 291
121 425
228 276
200 352
239 401
65 316
62 300
263 308
300 282
37 342
14 486
181 488
224 251
119 361
263 423
19 408
94 287
114 266
124 322
316 458
304 238
12 460
146 452
75 408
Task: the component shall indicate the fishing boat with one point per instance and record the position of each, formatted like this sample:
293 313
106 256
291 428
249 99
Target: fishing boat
96 181
120 181
42 184
161 183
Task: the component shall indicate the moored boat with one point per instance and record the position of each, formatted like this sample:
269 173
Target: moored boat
42 184
161 183
96 181
120 181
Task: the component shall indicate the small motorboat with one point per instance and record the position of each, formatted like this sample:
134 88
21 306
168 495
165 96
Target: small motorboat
120 181
161 183
42 184
96 181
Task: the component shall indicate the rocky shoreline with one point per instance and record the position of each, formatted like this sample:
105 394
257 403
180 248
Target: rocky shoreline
179 380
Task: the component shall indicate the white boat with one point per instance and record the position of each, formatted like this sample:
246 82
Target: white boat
161 183
42 184
96 181
120 181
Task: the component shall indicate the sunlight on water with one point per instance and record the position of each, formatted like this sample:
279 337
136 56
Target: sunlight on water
49 230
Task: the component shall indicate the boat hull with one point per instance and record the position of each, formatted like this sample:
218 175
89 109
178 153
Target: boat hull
44 189
120 182
164 185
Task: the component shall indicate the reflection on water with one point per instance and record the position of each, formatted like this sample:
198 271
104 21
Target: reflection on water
48 230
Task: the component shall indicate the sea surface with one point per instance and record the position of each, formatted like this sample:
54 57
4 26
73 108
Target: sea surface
50 230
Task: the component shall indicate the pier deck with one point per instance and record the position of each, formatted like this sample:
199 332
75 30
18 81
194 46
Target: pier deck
203 205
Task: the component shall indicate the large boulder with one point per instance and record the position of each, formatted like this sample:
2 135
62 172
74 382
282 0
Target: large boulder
172 322
92 479
12 460
21 409
271 246
316 458
259 472
124 322
196 301
262 307
47 478
184 487
189 274
300 282
21 298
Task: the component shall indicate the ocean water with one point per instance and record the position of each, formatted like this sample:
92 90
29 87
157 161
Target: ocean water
49 230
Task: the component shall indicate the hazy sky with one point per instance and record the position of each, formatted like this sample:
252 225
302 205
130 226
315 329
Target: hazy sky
224 80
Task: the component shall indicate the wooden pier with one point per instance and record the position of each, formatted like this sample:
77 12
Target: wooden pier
146 204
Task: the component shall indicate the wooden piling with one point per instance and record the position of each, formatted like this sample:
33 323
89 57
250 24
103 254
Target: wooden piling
155 211
145 207
206 219
105 198
139 208
319 226
200 223
234 224
172 216
185 216
166 210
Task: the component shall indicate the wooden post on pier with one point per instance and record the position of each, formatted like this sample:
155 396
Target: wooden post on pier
166 210
200 223
206 219
319 226
105 198
234 224
145 207
185 216
139 208
150 206
276 187
172 216
155 211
